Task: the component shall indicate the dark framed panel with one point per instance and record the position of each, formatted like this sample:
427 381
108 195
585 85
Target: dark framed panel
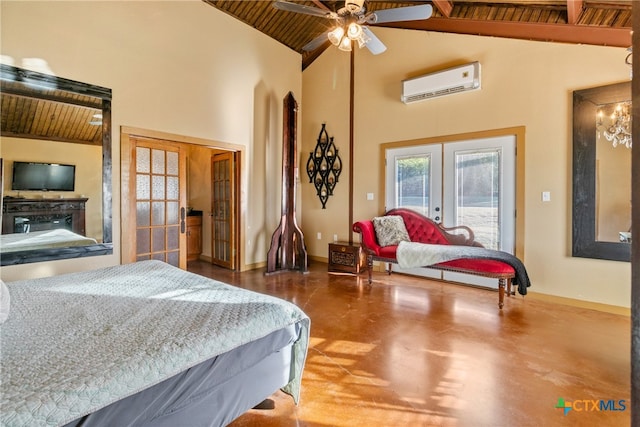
47 88
585 108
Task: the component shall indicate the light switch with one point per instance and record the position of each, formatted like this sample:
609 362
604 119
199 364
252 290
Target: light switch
546 196
369 196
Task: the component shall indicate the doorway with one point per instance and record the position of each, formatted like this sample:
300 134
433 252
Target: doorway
190 188
466 180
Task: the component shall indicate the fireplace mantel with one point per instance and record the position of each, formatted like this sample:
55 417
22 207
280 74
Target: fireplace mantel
44 214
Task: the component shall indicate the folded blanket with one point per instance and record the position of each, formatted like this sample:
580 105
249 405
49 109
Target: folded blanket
413 254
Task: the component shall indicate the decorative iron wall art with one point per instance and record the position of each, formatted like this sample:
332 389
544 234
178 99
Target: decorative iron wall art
324 166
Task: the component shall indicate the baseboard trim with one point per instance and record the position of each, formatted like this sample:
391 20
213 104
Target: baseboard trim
244 267
607 308
254 266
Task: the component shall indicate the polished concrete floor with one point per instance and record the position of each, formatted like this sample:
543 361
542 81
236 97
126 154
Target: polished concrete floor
415 352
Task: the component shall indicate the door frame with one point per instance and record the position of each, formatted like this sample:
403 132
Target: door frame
517 131
127 227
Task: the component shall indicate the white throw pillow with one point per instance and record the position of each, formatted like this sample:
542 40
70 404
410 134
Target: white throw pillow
390 230
4 302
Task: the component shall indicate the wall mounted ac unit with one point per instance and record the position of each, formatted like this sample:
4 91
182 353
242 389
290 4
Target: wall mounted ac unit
444 82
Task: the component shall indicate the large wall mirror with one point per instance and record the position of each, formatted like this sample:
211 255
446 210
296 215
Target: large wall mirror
56 168
602 172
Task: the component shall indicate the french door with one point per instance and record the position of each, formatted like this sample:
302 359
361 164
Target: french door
156 228
469 182
414 180
223 212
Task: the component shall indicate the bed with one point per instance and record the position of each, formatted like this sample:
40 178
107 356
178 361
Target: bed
57 238
144 344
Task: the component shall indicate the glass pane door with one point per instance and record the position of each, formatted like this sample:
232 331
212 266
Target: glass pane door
414 179
223 209
479 181
477 194
159 215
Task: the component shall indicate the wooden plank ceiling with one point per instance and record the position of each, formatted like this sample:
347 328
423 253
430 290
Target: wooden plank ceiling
49 114
599 22
62 117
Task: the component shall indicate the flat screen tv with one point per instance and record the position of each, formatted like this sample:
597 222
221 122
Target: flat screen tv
30 176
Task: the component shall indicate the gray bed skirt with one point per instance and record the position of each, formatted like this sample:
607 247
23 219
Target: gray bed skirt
213 393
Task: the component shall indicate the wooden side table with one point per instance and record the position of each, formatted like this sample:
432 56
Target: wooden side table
347 258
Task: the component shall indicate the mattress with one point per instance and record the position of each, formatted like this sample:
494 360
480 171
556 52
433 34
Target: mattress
212 393
58 238
77 343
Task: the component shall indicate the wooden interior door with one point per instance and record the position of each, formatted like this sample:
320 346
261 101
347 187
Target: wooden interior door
157 200
223 209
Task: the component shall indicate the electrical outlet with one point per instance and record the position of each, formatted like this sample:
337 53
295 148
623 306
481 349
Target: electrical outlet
319 235
335 237
546 196
369 196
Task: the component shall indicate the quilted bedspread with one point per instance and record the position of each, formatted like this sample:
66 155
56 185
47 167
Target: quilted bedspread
58 238
78 342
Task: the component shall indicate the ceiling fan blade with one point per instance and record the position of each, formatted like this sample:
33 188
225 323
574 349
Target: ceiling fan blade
374 44
411 13
316 42
300 8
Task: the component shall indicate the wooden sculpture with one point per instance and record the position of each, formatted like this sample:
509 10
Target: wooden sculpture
288 251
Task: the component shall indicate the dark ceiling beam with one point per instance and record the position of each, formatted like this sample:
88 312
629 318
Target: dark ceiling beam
574 11
579 34
444 7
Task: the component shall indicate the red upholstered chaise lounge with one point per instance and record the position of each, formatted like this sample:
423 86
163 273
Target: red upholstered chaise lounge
423 230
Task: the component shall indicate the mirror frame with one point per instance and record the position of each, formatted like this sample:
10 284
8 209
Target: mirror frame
585 107
45 81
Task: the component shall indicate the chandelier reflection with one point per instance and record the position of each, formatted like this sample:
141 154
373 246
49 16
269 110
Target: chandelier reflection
617 130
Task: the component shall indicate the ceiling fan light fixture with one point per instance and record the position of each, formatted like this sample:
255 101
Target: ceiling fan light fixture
354 32
345 44
363 40
354 6
336 35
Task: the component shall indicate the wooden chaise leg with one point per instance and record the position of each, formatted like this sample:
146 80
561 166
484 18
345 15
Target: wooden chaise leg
369 266
501 285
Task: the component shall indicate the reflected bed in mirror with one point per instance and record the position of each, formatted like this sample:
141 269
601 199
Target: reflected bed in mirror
56 168
602 172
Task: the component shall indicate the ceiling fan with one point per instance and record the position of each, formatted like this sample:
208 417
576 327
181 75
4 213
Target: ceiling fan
351 22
